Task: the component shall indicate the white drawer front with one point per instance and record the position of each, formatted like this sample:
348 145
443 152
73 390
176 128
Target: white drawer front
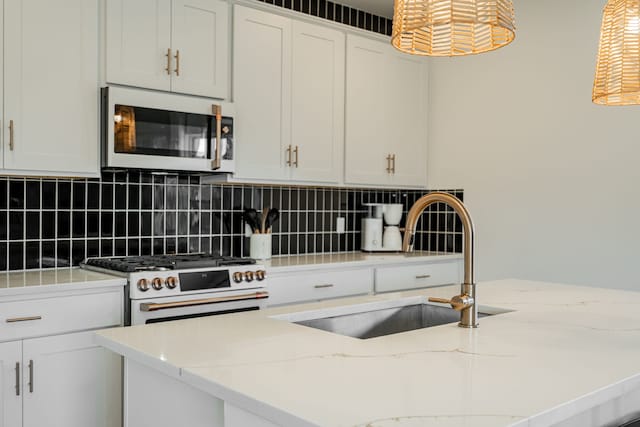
318 285
55 315
389 279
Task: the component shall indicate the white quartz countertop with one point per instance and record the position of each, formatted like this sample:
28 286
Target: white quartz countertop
62 279
352 259
562 350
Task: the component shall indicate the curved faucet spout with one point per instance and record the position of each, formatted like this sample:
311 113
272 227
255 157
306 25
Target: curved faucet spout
469 315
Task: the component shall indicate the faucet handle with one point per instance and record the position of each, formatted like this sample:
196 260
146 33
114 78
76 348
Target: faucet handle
458 303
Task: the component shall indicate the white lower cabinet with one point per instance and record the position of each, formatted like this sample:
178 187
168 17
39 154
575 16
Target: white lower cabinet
68 381
415 276
287 288
51 373
10 384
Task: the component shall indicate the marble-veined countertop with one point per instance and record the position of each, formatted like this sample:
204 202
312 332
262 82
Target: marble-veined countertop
562 349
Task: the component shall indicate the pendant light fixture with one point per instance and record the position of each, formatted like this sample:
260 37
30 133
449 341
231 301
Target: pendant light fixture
617 80
452 27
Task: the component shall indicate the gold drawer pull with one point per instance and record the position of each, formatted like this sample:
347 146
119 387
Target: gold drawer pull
24 319
423 276
328 285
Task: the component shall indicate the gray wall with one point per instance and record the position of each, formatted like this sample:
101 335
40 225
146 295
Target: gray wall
550 178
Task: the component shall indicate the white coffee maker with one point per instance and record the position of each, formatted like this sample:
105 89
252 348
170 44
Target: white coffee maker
374 239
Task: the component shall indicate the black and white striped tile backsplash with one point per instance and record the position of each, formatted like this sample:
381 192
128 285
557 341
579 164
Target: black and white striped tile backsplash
56 223
338 13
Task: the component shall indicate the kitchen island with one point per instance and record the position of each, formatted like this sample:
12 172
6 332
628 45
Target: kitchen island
564 356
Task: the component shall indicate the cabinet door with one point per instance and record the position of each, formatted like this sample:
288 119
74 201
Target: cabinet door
367 124
10 384
407 95
51 86
75 383
138 39
317 103
200 44
262 93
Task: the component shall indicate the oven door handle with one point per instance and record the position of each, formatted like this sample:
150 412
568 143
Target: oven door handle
204 301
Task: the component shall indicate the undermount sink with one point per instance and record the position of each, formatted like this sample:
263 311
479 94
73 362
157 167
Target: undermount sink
377 319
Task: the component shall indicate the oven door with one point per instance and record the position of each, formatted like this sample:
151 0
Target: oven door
150 130
153 310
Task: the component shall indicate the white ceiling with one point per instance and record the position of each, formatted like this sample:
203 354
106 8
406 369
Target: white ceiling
377 7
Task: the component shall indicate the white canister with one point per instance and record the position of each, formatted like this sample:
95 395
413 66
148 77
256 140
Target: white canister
260 246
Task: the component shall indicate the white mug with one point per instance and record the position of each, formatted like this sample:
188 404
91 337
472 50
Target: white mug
260 246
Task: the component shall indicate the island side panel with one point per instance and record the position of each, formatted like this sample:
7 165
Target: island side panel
154 399
236 417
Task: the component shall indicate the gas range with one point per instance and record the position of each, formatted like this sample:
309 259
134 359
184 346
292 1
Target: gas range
168 287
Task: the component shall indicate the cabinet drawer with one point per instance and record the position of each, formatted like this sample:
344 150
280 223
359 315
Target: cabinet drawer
55 315
388 279
318 285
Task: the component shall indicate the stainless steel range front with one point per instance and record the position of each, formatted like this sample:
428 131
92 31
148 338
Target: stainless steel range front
171 287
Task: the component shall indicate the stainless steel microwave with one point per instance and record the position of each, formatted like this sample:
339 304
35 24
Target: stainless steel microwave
163 131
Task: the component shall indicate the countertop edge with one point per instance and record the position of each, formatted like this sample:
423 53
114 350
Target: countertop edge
371 260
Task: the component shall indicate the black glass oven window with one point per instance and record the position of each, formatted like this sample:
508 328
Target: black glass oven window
204 280
154 132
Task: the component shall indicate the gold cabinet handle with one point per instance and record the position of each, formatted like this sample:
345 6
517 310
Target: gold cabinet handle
168 55
296 151
217 160
177 57
11 140
17 378
328 285
30 376
389 163
288 150
23 319
393 164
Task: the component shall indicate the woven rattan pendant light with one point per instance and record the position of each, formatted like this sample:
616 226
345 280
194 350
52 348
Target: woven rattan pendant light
452 27
617 79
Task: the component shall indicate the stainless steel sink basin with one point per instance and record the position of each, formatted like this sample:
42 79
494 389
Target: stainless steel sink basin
370 321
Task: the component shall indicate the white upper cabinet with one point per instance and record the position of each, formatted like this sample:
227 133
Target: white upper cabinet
201 45
138 42
262 93
170 45
317 124
289 98
386 115
51 95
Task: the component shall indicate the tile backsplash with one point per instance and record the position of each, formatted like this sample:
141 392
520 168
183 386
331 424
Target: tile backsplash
48 223
338 13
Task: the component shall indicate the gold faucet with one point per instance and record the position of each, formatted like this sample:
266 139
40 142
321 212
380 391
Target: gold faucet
465 303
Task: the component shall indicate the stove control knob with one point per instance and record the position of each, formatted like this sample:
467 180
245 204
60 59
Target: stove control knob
248 276
171 282
238 277
260 275
157 283
143 285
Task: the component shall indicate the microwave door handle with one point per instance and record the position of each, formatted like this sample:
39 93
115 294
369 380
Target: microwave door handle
217 160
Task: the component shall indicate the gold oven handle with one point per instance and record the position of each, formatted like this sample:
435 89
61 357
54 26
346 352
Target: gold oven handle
190 303
217 161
